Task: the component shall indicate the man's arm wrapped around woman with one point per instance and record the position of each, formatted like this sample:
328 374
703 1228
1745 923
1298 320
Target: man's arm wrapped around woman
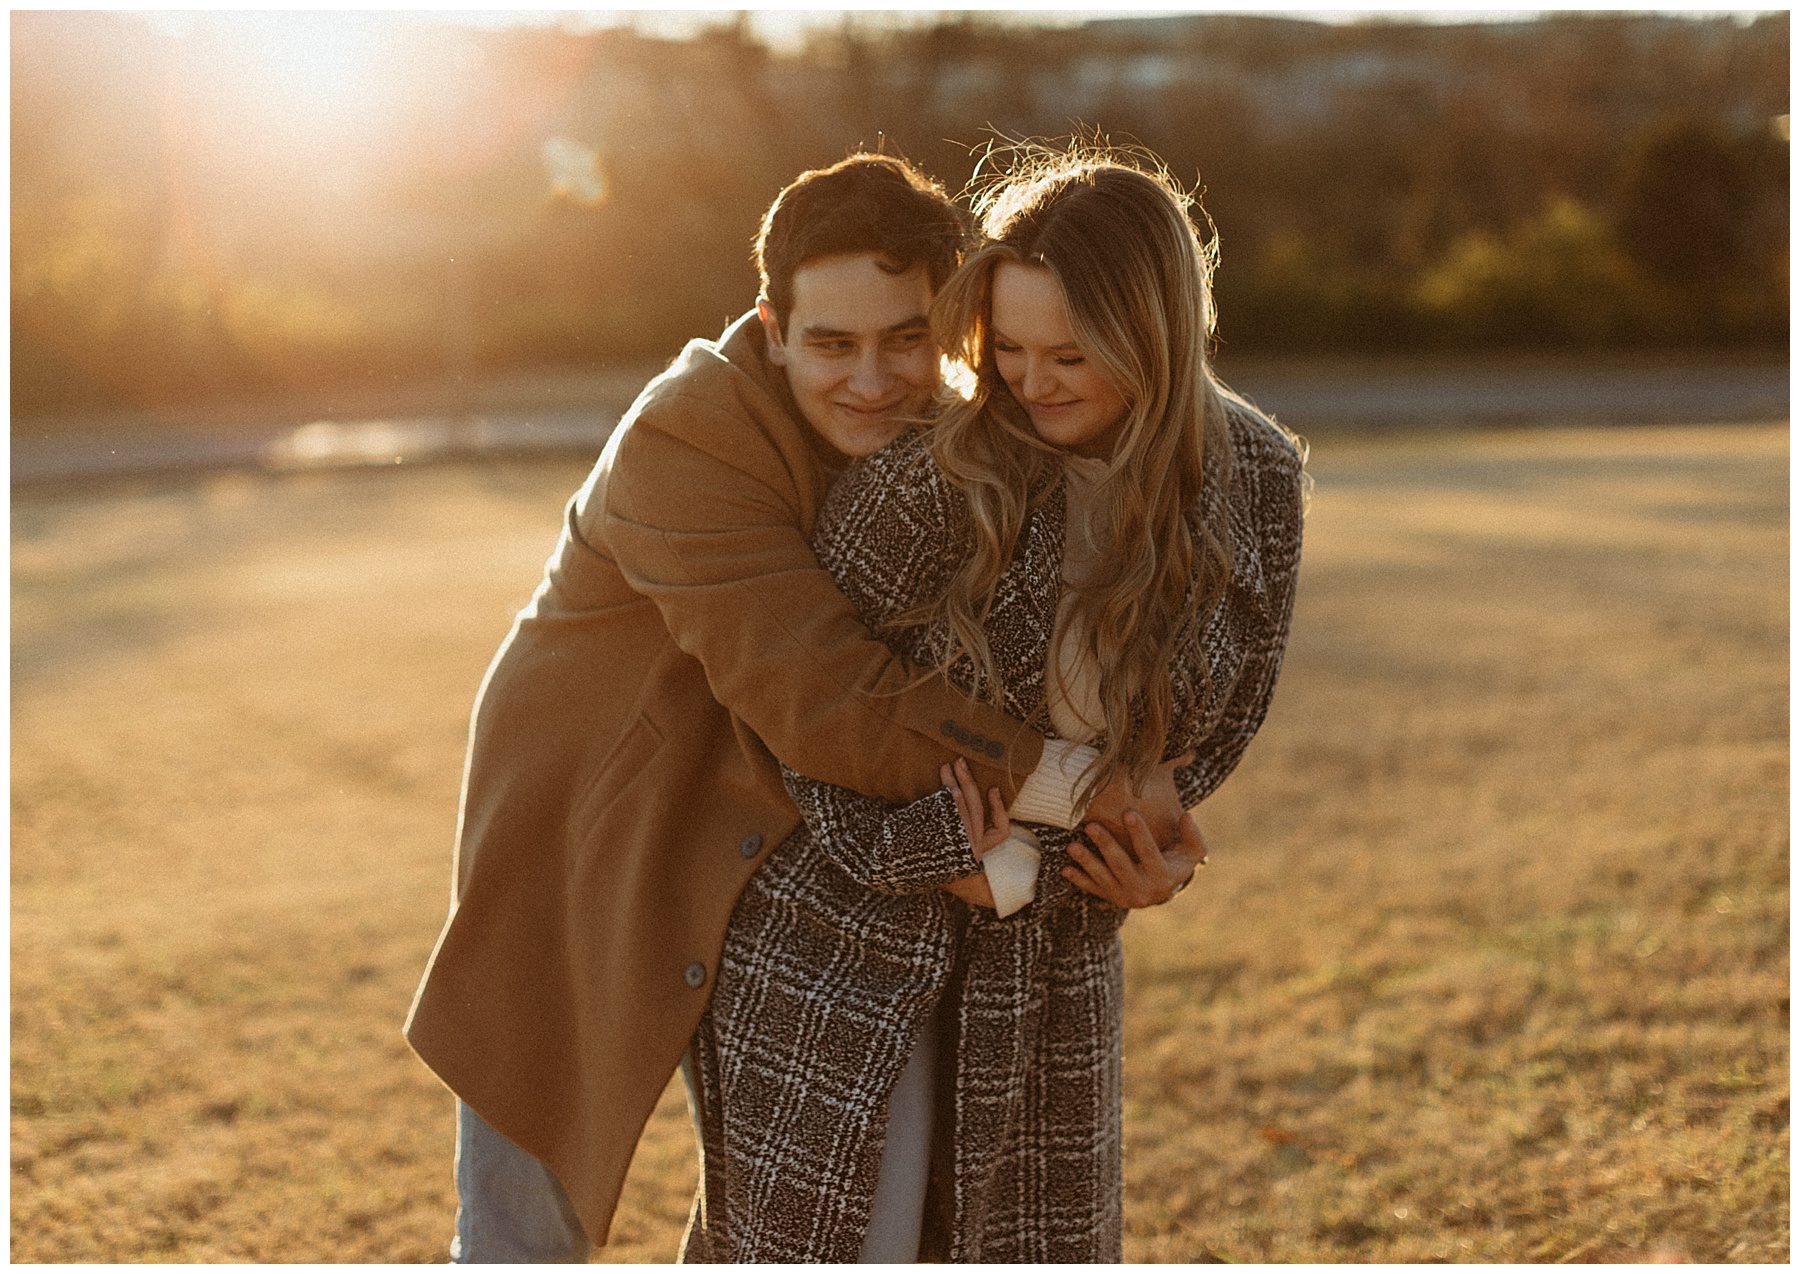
890 534
887 534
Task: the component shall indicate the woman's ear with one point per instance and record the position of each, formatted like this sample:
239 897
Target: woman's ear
771 332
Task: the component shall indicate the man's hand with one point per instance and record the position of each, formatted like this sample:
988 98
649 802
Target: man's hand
1147 878
1159 806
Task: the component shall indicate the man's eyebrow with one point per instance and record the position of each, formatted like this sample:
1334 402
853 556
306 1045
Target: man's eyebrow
813 332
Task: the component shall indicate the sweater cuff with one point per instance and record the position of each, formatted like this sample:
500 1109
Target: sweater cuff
1048 796
1012 870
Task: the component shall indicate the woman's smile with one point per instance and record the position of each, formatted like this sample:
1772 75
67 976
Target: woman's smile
1071 402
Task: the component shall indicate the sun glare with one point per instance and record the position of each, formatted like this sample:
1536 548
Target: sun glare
318 71
317 64
311 81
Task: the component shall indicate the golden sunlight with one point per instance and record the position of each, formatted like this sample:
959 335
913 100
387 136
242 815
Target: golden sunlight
315 64
307 82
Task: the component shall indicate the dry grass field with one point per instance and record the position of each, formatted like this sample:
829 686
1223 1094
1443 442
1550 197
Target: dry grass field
1491 963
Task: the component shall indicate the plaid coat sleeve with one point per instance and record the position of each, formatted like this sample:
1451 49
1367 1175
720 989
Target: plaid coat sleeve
892 849
1267 507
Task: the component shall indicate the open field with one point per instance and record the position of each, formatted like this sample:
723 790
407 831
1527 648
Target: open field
1491 963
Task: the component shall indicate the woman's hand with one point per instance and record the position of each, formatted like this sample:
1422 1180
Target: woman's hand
983 833
1147 878
1158 802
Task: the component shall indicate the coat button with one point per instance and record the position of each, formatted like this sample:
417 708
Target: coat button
994 750
751 845
694 975
949 728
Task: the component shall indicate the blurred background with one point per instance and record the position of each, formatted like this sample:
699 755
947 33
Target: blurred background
236 206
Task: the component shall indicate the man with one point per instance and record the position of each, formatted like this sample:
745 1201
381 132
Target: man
621 783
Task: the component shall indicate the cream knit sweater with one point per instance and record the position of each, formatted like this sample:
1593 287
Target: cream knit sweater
1073 700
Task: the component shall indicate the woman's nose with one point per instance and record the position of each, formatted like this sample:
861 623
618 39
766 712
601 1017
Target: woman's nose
1040 379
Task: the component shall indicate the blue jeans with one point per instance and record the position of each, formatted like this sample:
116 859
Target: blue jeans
512 1208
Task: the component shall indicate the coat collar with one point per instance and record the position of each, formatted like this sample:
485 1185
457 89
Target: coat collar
745 347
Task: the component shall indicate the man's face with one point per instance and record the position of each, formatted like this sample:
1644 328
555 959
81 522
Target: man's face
858 352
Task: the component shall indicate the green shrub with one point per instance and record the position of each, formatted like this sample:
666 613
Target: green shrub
1558 279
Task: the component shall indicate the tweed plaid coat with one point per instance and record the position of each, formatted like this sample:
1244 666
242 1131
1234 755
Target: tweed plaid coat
842 943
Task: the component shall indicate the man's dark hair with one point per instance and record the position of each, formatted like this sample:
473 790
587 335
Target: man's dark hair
866 203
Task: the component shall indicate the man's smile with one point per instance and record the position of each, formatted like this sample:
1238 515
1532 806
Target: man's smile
885 409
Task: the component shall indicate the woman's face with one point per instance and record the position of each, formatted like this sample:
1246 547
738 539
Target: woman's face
1072 405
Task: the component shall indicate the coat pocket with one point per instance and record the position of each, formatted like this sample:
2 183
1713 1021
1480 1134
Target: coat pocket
626 760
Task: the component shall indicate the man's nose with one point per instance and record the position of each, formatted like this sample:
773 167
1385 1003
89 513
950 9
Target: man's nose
868 379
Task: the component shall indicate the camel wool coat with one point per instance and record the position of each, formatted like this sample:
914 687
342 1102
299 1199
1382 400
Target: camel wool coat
622 780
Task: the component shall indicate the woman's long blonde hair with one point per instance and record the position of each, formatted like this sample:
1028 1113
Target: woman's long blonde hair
1137 283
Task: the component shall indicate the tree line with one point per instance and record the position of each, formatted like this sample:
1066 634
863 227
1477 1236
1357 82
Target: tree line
558 197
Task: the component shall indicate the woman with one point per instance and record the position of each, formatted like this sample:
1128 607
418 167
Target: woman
1103 542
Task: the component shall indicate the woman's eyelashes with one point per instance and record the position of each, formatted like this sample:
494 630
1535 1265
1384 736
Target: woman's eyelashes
1061 360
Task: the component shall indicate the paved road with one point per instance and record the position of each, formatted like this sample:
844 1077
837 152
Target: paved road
1310 398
